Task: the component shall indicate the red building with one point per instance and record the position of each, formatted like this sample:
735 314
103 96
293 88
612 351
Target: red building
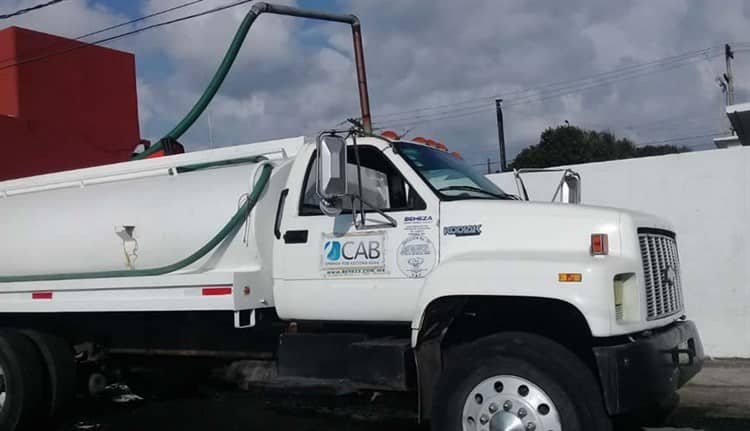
63 104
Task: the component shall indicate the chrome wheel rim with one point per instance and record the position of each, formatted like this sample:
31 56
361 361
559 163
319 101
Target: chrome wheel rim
509 403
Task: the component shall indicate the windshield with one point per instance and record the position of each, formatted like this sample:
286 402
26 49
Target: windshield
449 176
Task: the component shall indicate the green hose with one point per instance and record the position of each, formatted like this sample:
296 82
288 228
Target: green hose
210 91
234 223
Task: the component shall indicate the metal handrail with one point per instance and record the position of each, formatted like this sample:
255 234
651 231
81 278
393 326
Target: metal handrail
565 179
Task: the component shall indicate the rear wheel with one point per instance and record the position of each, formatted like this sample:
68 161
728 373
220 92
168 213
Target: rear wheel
60 367
21 382
517 382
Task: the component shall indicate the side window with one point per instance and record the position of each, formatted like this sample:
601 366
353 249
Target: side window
382 185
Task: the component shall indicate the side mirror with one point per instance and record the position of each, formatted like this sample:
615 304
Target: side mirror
331 176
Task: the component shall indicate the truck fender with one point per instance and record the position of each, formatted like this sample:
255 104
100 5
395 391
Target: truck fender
524 274
446 292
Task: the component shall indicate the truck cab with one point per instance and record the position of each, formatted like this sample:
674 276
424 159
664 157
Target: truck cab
381 230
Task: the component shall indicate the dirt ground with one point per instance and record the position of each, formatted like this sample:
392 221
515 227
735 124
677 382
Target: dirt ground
717 400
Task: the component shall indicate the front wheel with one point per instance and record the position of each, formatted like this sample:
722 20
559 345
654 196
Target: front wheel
517 382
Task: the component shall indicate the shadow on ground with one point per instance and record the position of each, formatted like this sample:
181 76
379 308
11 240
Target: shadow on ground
234 410
188 403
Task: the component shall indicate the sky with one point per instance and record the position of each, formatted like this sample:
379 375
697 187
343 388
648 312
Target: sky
434 67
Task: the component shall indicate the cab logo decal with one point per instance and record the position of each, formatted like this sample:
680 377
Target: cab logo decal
463 230
352 255
333 250
416 256
353 251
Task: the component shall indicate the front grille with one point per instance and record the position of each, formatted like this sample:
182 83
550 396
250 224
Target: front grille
661 271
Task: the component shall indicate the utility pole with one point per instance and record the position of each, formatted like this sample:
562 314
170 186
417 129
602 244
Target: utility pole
728 77
489 169
500 134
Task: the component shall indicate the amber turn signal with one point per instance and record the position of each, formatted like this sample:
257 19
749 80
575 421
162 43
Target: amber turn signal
569 277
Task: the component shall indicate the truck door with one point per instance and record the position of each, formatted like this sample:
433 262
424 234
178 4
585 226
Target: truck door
326 269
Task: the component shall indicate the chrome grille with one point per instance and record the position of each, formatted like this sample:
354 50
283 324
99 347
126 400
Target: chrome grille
661 272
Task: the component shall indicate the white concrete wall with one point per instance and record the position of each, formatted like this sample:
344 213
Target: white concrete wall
706 195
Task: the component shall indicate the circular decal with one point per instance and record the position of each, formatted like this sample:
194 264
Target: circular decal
416 256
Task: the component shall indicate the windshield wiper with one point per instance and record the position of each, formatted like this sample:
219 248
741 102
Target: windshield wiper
474 189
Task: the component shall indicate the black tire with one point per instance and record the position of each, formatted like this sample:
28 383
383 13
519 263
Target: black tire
60 367
24 380
560 374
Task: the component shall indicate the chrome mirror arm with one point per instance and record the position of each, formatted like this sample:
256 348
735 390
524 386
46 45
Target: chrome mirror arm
359 225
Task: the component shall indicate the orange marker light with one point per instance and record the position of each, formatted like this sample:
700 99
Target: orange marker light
569 277
390 134
599 244
157 154
457 155
429 142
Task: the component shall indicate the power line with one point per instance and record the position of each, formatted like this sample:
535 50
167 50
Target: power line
122 24
598 83
442 116
142 18
552 90
128 33
474 110
580 84
29 9
663 67
610 78
683 138
531 99
556 85
633 127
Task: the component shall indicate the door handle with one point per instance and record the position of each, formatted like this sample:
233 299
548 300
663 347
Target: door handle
280 214
295 236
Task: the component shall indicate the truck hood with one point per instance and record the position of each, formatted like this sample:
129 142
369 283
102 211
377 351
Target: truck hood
518 227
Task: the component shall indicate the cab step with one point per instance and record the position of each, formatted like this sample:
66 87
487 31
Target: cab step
352 360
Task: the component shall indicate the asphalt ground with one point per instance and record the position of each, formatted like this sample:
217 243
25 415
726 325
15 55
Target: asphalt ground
718 399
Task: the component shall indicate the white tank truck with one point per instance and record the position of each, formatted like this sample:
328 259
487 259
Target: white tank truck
345 258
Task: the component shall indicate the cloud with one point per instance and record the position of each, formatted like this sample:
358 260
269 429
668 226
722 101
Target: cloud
295 77
471 50
199 44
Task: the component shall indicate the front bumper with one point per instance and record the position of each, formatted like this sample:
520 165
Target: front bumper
647 371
